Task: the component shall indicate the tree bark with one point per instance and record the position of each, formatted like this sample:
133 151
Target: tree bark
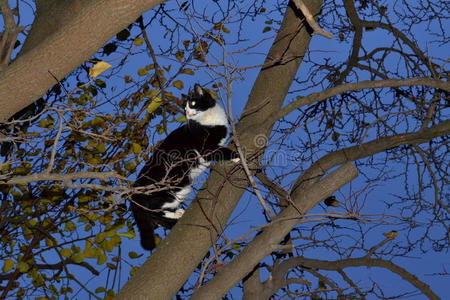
229 275
58 43
179 254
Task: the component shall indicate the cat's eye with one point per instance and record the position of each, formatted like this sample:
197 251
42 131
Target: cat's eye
193 103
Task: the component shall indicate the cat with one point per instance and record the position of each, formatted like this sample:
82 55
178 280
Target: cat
166 179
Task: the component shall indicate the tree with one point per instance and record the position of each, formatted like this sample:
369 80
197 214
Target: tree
371 115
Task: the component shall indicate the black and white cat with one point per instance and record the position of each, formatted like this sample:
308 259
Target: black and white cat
166 179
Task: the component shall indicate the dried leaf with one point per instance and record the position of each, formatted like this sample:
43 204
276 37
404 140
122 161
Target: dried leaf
99 68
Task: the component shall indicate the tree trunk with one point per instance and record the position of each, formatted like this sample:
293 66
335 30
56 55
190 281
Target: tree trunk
179 254
59 42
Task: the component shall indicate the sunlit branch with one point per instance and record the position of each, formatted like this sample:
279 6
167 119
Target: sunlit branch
310 19
8 37
259 248
355 86
367 149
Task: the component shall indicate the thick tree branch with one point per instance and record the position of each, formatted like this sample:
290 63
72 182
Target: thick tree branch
205 219
260 247
367 149
356 86
79 36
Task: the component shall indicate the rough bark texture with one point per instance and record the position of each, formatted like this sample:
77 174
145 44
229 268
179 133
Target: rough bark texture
229 275
179 254
60 42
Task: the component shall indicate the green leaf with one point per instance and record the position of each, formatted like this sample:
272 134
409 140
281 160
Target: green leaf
136 148
70 226
78 258
8 265
134 255
142 72
101 259
128 234
178 84
100 289
22 267
133 270
156 102
130 166
181 119
100 83
65 252
138 41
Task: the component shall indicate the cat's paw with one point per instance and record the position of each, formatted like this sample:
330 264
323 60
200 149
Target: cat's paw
236 160
174 215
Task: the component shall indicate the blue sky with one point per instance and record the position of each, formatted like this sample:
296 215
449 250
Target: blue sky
248 213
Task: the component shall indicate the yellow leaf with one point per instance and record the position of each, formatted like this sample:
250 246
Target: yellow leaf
78 258
138 41
156 102
101 259
99 68
8 265
128 234
178 84
158 240
65 252
151 93
130 166
391 234
226 30
136 148
133 270
142 72
134 255
22 267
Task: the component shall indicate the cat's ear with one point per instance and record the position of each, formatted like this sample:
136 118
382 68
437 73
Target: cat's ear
198 90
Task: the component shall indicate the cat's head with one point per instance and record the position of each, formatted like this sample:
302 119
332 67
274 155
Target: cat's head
198 101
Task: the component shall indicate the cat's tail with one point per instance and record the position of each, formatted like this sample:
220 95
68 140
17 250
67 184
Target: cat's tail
146 227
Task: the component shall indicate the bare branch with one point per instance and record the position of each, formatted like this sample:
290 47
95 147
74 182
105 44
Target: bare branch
9 36
310 18
361 262
356 86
